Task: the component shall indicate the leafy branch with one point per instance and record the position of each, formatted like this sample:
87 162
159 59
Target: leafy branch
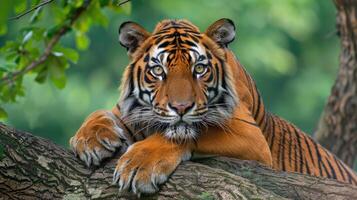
63 30
38 49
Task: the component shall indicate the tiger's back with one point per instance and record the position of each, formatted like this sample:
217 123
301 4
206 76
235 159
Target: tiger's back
293 150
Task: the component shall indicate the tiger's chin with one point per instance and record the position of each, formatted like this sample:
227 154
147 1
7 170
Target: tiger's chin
181 132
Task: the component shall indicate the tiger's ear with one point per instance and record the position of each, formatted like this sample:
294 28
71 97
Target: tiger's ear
222 31
131 36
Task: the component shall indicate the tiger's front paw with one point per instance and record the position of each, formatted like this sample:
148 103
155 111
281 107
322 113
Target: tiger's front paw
144 167
98 138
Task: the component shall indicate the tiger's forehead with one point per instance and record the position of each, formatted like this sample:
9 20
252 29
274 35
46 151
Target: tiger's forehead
176 41
167 25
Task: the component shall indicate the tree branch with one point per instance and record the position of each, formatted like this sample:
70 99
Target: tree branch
123 2
35 168
57 36
337 127
30 10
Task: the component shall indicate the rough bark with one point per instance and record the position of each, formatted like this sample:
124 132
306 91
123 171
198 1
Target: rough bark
35 168
337 129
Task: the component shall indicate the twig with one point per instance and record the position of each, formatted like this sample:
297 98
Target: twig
123 2
49 47
32 9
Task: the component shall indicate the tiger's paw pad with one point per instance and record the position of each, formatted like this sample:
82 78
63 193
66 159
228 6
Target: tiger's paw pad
96 141
138 171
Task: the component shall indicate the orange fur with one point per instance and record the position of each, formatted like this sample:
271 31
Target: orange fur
239 138
152 160
250 133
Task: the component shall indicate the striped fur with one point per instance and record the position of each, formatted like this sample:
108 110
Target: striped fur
185 91
292 150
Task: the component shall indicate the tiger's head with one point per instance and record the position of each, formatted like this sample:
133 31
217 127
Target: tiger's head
178 81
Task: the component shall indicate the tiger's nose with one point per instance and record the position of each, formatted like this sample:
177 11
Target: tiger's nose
181 107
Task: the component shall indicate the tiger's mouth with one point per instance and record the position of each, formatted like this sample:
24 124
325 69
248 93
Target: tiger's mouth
189 126
181 132
181 127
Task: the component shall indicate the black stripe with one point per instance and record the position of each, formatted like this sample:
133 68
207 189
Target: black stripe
209 56
188 42
290 143
138 73
299 149
309 150
146 58
258 106
210 77
148 80
349 175
118 107
324 166
265 125
248 122
307 166
283 147
262 116
279 147
272 133
154 96
339 167
330 165
319 160
296 148
164 44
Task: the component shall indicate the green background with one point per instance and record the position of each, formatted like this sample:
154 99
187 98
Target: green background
290 48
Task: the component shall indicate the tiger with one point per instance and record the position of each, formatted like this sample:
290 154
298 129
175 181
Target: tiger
185 92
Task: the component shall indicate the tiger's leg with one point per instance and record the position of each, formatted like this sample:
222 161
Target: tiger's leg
148 163
240 137
99 137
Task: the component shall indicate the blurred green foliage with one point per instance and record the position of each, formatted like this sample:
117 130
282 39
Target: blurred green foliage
290 48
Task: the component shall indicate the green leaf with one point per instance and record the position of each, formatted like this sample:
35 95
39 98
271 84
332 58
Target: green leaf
59 14
35 15
82 40
42 75
38 34
3 114
69 53
20 6
56 67
75 3
11 90
3 63
83 23
57 54
27 37
6 65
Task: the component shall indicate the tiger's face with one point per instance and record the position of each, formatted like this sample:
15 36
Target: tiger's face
178 81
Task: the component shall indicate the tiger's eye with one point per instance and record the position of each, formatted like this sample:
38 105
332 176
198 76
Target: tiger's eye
158 70
199 69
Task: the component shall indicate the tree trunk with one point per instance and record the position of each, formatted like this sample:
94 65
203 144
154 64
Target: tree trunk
35 168
337 129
